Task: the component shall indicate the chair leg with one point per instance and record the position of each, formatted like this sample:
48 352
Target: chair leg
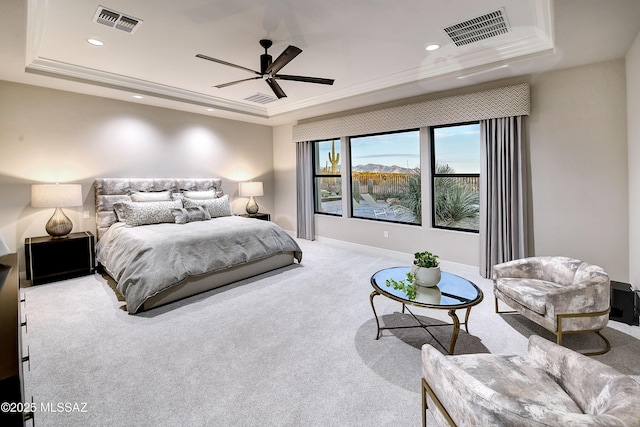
607 345
426 389
502 312
424 404
559 333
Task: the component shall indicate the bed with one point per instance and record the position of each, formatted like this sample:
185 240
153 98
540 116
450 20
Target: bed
162 240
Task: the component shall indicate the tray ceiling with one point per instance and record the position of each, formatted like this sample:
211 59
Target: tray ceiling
375 51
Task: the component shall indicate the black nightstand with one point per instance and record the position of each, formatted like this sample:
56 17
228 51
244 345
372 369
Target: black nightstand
48 259
259 215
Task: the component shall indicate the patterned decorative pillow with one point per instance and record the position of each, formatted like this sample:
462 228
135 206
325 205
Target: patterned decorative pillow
144 213
216 207
120 213
208 194
186 215
150 196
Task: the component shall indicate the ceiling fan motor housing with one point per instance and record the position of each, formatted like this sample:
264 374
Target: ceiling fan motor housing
265 62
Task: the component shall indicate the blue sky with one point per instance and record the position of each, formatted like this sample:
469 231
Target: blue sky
457 146
392 149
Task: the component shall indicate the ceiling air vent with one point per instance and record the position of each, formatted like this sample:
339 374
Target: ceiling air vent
477 29
116 20
261 98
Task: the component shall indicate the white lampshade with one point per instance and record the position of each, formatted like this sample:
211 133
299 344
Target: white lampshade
56 195
253 188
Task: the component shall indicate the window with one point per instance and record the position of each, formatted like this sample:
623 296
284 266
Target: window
326 177
455 169
385 177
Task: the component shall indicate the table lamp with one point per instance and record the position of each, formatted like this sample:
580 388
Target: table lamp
251 189
57 196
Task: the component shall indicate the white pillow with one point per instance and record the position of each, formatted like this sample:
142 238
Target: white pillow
150 196
208 194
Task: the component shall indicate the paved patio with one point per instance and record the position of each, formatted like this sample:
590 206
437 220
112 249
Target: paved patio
367 209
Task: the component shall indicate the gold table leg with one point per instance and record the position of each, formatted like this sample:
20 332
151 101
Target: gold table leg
456 330
373 294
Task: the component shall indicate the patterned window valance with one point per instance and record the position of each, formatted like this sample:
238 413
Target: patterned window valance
488 104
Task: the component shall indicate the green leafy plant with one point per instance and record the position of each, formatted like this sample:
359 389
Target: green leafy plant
456 203
408 285
425 259
412 196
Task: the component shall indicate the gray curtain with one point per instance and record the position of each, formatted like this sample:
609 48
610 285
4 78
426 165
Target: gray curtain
304 175
503 192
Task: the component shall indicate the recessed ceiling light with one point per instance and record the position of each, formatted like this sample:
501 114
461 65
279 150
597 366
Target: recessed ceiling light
432 47
95 42
211 109
138 96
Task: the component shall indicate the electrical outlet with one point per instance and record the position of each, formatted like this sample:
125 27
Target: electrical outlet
386 233
86 215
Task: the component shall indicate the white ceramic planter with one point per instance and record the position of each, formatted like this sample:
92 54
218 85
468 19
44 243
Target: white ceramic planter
428 277
427 295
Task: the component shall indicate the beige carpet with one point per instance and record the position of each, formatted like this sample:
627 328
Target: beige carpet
290 348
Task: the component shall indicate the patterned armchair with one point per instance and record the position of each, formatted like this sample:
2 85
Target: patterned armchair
561 294
550 386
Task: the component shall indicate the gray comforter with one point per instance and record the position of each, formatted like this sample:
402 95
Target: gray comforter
151 258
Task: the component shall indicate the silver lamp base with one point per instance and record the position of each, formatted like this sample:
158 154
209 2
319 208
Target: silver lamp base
252 206
59 225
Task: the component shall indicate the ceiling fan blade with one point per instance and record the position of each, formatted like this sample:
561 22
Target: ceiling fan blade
275 87
285 57
219 61
318 80
236 82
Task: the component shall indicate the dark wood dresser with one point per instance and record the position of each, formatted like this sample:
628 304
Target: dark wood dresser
12 358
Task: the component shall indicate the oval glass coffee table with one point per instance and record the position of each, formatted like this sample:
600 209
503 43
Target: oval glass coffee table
452 293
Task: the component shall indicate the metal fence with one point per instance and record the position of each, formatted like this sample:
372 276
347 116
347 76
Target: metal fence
383 184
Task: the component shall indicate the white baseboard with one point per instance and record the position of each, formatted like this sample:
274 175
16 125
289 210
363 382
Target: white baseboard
401 256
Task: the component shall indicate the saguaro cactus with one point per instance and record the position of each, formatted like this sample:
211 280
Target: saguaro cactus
334 158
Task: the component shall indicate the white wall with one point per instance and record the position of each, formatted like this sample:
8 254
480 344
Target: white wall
633 136
579 165
284 172
54 136
578 169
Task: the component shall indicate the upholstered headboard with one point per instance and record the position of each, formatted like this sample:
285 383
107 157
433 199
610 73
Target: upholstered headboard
112 190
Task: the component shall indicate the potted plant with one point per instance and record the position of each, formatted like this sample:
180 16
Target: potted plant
426 269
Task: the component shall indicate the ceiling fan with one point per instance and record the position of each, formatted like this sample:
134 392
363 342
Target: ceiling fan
269 68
